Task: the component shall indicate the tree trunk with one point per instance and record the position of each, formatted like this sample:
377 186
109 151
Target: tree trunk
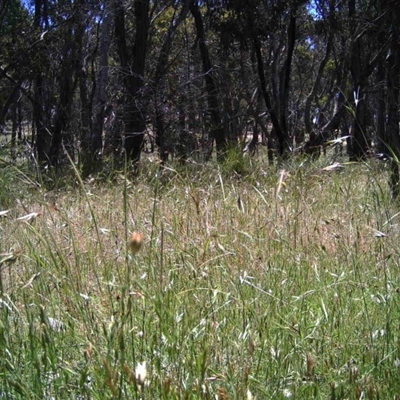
69 75
283 140
133 70
284 84
217 129
136 115
62 111
41 105
393 91
161 70
381 111
310 98
101 84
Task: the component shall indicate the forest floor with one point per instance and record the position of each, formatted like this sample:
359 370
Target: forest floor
278 282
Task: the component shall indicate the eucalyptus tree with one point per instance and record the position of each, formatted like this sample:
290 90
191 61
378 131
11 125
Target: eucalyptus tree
132 58
59 28
174 16
217 128
324 29
389 91
271 31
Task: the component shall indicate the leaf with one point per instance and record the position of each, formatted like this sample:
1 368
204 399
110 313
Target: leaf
338 140
334 167
379 234
29 217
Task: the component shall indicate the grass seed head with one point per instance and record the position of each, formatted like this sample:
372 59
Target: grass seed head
135 242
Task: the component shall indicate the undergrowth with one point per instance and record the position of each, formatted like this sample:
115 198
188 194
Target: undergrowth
267 282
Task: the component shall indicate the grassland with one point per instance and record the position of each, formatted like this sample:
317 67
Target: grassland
264 285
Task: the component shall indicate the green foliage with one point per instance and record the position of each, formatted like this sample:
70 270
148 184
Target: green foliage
15 184
236 161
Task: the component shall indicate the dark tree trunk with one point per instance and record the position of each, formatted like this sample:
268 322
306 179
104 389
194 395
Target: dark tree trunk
14 128
362 65
217 129
360 145
283 140
62 111
310 98
101 84
42 120
41 104
284 83
69 75
161 70
136 116
85 116
9 101
393 91
133 70
381 110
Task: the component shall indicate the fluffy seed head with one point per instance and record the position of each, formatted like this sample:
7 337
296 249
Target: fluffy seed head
135 242
140 373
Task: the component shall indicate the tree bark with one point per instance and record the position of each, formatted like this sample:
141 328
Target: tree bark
310 98
41 104
283 141
217 129
284 84
133 70
161 70
393 92
101 84
136 118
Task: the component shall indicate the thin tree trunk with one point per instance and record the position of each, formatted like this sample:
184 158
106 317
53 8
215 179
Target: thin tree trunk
161 70
393 92
62 111
40 104
14 117
283 141
136 118
381 111
284 84
133 70
217 129
101 84
314 90
69 76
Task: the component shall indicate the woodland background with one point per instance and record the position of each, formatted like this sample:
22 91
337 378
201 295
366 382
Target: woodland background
111 79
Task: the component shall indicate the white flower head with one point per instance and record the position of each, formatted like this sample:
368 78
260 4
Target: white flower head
287 393
141 373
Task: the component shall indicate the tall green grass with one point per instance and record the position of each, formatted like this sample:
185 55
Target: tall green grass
263 284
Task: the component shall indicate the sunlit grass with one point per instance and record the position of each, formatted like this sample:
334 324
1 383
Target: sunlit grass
263 284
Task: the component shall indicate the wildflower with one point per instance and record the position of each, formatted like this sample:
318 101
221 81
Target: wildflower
249 395
57 325
287 393
140 374
135 242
